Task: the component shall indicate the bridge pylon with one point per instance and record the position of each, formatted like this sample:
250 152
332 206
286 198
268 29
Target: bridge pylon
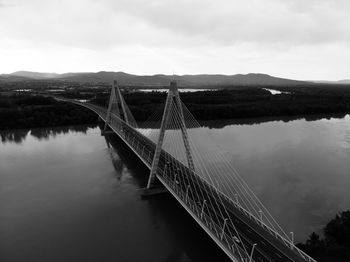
113 106
173 99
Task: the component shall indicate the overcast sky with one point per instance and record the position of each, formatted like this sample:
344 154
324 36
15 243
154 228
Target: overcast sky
300 39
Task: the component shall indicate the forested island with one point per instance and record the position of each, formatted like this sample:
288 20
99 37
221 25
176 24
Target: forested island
244 102
29 109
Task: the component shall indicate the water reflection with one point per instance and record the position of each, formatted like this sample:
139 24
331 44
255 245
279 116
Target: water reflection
117 163
12 136
123 158
260 120
19 135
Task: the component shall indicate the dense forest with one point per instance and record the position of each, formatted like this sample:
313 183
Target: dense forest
335 246
242 102
27 111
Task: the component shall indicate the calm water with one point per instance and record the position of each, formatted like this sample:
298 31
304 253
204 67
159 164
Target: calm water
66 196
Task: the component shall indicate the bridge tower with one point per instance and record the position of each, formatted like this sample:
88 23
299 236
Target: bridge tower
173 96
113 106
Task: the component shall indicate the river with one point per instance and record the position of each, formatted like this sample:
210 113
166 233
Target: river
65 195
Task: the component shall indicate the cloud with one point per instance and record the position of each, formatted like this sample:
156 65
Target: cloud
227 36
227 21
166 22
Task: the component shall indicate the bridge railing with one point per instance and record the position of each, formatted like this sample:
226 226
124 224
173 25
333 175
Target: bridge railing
216 229
273 232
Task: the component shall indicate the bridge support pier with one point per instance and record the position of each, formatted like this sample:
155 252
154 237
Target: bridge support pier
107 132
153 191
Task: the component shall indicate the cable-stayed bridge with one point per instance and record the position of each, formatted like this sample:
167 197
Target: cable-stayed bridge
202 181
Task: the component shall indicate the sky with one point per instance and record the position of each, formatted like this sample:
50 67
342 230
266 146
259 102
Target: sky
297 39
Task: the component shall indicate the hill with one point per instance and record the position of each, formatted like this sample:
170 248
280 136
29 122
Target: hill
340 82
34 75
183 80
11 78
159 79
345 81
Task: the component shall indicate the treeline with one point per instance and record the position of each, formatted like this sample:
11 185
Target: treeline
27 111
243 102
335 245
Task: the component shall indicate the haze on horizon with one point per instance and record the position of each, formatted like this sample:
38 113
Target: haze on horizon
296 39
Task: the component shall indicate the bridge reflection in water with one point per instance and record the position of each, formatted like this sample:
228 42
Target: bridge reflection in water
227 210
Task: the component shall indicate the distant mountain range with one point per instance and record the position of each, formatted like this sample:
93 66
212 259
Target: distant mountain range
34 75
157 80
344 81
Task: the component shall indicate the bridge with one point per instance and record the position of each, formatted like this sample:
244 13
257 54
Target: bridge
214 195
